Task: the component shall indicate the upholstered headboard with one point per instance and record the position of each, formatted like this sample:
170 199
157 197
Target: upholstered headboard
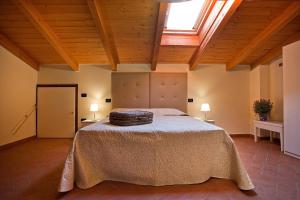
168 90
130 90
149 90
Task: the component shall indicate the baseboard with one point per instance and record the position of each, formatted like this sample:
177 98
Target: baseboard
241 135
292 154
252 136
5 146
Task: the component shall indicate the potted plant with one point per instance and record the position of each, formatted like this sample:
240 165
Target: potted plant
263 107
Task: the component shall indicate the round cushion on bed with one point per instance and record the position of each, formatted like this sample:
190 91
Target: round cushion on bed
129 118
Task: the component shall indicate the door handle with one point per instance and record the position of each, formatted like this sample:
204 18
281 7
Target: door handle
72 113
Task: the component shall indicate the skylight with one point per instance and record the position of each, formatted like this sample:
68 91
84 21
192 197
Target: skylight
184 15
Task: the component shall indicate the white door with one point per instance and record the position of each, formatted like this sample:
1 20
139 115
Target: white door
56 112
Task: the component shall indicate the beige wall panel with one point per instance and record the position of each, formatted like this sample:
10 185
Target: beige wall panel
17 87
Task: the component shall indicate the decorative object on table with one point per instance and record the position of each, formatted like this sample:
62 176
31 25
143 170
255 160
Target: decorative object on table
205 108
263 107
94 107
130 118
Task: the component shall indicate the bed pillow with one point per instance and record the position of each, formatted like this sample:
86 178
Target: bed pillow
155 111
130 109
168 112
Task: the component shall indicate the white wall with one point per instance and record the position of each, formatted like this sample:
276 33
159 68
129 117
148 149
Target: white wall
227 92
230 94
254 93
259 88
266 82
17 88
94 80
276 90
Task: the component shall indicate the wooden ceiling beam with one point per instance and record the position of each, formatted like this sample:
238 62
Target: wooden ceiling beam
104 32
276 25
213 26
275 52
41 25
18 51
163 7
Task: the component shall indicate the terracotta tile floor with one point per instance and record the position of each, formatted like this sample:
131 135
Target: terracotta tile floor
32 171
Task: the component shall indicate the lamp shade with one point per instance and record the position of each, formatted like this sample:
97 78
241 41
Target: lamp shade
94 107
205 107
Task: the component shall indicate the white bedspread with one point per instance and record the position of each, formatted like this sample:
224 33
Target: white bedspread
171 150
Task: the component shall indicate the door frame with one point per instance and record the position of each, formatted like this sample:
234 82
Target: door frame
57 85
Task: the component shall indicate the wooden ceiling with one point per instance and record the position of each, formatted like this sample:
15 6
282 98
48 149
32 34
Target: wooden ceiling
118 31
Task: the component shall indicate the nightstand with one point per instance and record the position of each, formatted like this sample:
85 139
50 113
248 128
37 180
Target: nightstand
88 122
211 121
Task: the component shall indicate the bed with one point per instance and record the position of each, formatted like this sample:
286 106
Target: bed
174 149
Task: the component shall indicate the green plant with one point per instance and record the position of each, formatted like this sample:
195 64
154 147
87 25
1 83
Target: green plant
262 106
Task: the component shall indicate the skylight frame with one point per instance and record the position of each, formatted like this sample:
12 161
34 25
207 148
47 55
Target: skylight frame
197 24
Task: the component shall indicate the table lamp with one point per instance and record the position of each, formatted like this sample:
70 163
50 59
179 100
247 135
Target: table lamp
205 108
94 107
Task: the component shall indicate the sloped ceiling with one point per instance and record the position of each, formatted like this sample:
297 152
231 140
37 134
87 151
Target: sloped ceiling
133 26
